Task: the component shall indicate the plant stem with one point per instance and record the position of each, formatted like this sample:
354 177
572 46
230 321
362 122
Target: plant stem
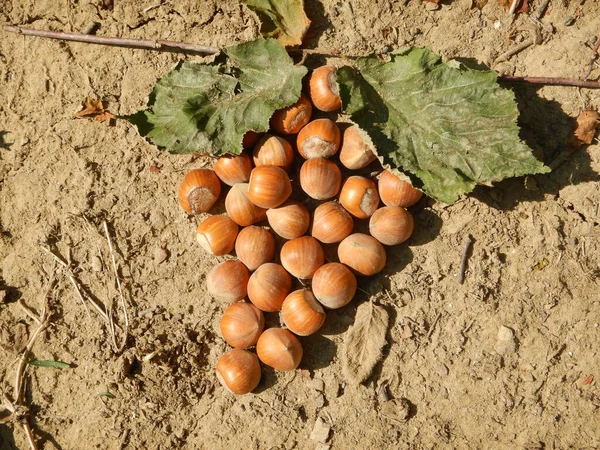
551 81
184 47
173 46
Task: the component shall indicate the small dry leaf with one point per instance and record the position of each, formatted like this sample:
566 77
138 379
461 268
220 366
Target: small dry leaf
479 4
587 380
541 265
585 130
522 5
94 109
364 342
160 255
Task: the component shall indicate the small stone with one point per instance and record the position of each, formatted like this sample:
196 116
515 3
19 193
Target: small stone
570 21
527 377
319 401
96 264
323 447
441 369
506 342
430 6
320 432
160 255
2 295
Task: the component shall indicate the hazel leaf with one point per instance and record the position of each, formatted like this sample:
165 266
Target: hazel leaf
364 342
447 126
284 20
208 107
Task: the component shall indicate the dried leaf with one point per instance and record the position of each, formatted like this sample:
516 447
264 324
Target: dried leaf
479 4
522 5
94 109
365 341
284 20
541 265
585 130
587 380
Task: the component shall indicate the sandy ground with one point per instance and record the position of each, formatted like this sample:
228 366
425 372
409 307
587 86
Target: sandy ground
533 268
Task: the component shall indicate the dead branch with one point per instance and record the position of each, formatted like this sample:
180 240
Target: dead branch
145 44
550 81
463 260
122 298
17 406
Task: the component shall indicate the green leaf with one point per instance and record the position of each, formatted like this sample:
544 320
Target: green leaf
449 126
283 20
43 363
105 394
208 107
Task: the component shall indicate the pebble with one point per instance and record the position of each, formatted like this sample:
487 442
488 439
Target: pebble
506 343
441 369
2 296
323 447
96 264
430 6
160 255
320 432
319 401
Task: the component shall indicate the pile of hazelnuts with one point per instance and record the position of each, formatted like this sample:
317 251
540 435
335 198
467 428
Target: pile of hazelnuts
331 196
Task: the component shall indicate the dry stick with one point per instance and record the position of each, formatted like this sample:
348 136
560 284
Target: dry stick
592 60
542 9
463 259
115 41
185 47
435 321
43 321
513 7
551 81
71 278
513 51
123 306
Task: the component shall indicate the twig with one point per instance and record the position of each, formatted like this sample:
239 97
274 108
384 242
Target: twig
43 321
28 311
75 284
592 60
513 7
463 260
551 81
542 10
435 321
146 44
123 306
